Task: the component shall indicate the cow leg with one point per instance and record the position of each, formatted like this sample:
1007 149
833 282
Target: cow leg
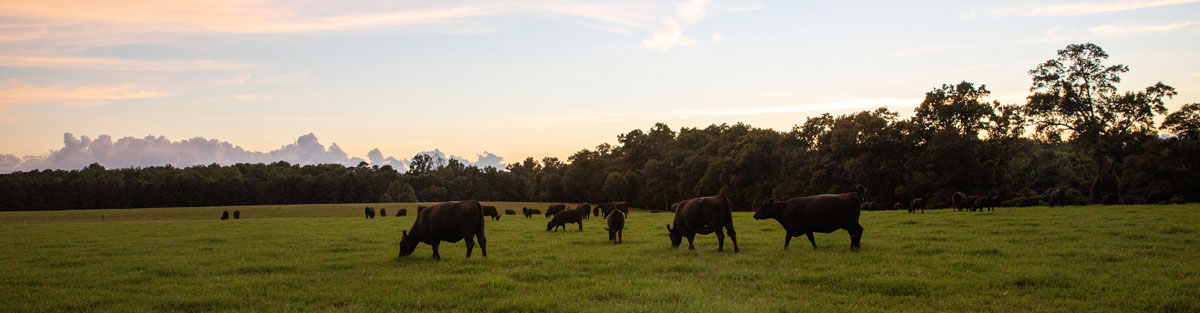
787 240
580 227
482 244
811 239
619 239
436 256
856 232
720 240
470 246
690 238
732 236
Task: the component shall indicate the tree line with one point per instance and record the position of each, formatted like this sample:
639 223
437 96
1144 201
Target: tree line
1076 131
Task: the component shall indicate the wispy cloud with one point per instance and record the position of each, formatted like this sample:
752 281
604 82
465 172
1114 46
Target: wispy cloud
114 63
1122 30
670 32
1084 8
18 92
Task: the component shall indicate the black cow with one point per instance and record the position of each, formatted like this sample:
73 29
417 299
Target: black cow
981 203
530 212
609 206
917 203
509 212
564 217
1055 196
1157 196
491 211
703 216
554 209
587 209
824 213
369 212
596 210
402 212
382 212
449 222
237 214
224 215
616 225
959 200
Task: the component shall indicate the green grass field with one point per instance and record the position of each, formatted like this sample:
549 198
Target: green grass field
329 258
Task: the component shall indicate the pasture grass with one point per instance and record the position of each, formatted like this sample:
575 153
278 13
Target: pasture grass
329 258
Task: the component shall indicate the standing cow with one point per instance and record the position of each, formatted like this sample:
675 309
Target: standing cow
530 212
564 217
959 200
509 212
586 208
382 212
703 216
224 215
824 213
1055 196
616 225
369 212
402 212
237 214
449 222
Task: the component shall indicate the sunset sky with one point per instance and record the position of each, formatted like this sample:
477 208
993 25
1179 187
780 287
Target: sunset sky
531 78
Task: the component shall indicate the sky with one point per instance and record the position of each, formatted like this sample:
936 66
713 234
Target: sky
139 83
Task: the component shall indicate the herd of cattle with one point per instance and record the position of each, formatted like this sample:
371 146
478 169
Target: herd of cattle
464 220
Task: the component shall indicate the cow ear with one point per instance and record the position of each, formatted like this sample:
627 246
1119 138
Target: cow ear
668 228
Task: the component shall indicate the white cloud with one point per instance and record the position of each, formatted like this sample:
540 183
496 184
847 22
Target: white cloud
18 92
668 35
691 11
1122 30
1084 8
718 37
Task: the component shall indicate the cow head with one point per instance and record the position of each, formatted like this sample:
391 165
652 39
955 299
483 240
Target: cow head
407 244
676 237
766 210
549 225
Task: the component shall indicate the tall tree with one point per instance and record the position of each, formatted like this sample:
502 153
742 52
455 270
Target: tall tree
1076 93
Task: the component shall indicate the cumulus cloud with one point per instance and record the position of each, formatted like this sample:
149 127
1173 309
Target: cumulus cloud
668 35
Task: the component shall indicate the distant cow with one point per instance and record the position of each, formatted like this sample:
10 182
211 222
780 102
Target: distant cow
616 224
917 203
369 212
554 209
1157 196
981 203
224 215
586 208
1055 197
1109 199
564 217
596 210
824 213
382 212
402 212
703 216
530 212
491 211
449 222
899 206
609 206
509 212
959 200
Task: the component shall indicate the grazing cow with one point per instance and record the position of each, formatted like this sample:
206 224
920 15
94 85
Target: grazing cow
703 216
918 203
1056 197
509 212
382 212
616 224
959 200
983 203
224 215
824 213
237 214
369 212
1109 199
491 211
596 210
608 207
1157 196
402 212
449 222
529 212
899 206
564 217
554 209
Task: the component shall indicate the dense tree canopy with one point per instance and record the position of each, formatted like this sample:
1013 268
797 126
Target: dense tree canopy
1088 137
